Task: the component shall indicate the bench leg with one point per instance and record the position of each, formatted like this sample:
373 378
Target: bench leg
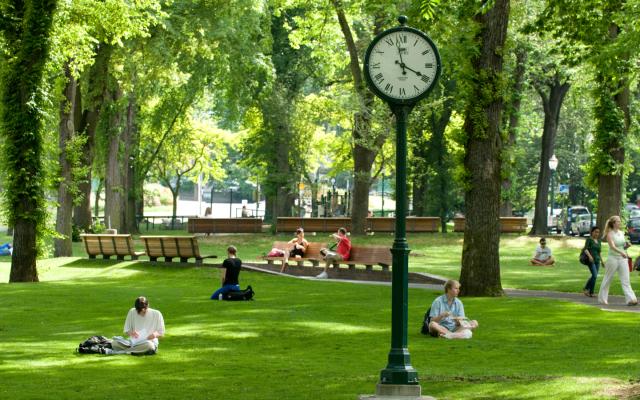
106 257
199 261
92 256
134 257
385 267
336 266
120 258
269 262
168 259
352 267
153 259
315 263
369 267
185 259
300 263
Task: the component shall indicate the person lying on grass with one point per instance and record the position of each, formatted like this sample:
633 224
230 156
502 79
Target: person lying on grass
542 255
447 315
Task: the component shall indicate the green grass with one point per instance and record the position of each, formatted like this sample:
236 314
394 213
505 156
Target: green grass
313 346
299 339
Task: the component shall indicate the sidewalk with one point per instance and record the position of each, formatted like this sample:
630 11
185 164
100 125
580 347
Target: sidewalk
616 303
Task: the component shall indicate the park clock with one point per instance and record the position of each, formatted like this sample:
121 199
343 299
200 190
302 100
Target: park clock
402 65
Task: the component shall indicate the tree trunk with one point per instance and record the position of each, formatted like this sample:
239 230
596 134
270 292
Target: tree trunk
551 103
131 185
113 178
66 129
25 44
610 185
506 209
365 144
480 273
97 83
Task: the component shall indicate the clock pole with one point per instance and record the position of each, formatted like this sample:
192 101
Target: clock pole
399 370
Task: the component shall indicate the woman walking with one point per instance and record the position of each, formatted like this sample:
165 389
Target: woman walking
592 250
616 262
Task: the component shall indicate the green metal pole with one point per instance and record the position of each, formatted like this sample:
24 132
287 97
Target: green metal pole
399 370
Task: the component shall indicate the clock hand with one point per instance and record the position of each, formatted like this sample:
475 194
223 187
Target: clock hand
412 70
402 65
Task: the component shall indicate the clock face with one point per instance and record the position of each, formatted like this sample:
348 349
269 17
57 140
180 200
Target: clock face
402 65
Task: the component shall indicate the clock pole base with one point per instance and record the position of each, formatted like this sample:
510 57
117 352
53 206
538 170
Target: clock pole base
396 392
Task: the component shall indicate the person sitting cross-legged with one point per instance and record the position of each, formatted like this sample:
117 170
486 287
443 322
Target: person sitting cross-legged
447 315
229 275
144 326
542 255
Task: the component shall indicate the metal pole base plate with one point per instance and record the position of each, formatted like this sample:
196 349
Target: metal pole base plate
397 392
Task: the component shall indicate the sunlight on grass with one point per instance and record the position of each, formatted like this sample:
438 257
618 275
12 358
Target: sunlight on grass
333 327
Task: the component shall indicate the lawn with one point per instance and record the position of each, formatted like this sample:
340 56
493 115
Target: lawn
294 346
299 339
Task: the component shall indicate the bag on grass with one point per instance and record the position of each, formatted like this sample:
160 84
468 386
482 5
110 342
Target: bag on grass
239 295
636 265
425 323
94 345
584 258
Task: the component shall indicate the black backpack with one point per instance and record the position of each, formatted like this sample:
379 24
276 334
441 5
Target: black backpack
238 295
425 323
94 345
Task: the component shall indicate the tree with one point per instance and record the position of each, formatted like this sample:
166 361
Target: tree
480 274
25 27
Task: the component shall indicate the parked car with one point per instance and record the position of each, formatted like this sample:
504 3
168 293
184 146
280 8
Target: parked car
633 230
582 224
568 216
635 213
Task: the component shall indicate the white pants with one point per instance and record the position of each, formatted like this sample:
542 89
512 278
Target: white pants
621 266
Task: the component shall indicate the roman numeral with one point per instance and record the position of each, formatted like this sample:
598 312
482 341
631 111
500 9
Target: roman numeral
379 51
401 39
388 88
427 51
402 92
425 78
417 89
416 42
379 78
389 41
428 65
375 65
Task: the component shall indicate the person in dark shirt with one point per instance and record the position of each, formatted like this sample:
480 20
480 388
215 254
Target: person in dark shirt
230 272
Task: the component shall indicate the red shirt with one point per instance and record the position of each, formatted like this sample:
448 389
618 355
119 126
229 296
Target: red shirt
344 247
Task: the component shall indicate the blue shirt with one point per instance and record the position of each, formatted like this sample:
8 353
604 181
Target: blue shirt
441 305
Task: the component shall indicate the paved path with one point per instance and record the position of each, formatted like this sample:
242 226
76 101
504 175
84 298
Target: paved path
616 303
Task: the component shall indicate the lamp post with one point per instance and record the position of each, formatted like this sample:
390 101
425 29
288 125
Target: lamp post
231 189
333 195
553 164
383 193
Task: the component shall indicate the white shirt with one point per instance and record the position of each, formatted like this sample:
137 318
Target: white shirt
542 254
150 322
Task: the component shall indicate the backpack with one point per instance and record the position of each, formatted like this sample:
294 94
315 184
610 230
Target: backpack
94 345
636 264
425 323
238 295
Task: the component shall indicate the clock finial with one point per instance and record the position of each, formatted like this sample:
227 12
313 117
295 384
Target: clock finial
403 20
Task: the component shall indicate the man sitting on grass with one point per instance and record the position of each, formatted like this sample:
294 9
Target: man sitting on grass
144 325
542 255
447 315
229 275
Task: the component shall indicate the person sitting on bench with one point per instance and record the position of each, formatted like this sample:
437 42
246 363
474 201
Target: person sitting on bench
447 315
298 250
229 275
342 253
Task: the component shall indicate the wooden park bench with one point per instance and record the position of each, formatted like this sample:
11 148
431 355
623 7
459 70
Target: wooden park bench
413 224
368 256
224 225
107 245
330 224
312 255
170 247
507 224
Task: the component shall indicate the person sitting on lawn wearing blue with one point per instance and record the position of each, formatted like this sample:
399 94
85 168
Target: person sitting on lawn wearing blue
229 275
6 249
447 315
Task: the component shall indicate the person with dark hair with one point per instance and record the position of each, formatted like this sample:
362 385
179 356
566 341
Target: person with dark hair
229 275
298 250
447 319
144 326
543 255
592 250
342 253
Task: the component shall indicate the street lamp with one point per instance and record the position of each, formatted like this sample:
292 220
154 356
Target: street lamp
333 196
383 194
231 189
553 164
